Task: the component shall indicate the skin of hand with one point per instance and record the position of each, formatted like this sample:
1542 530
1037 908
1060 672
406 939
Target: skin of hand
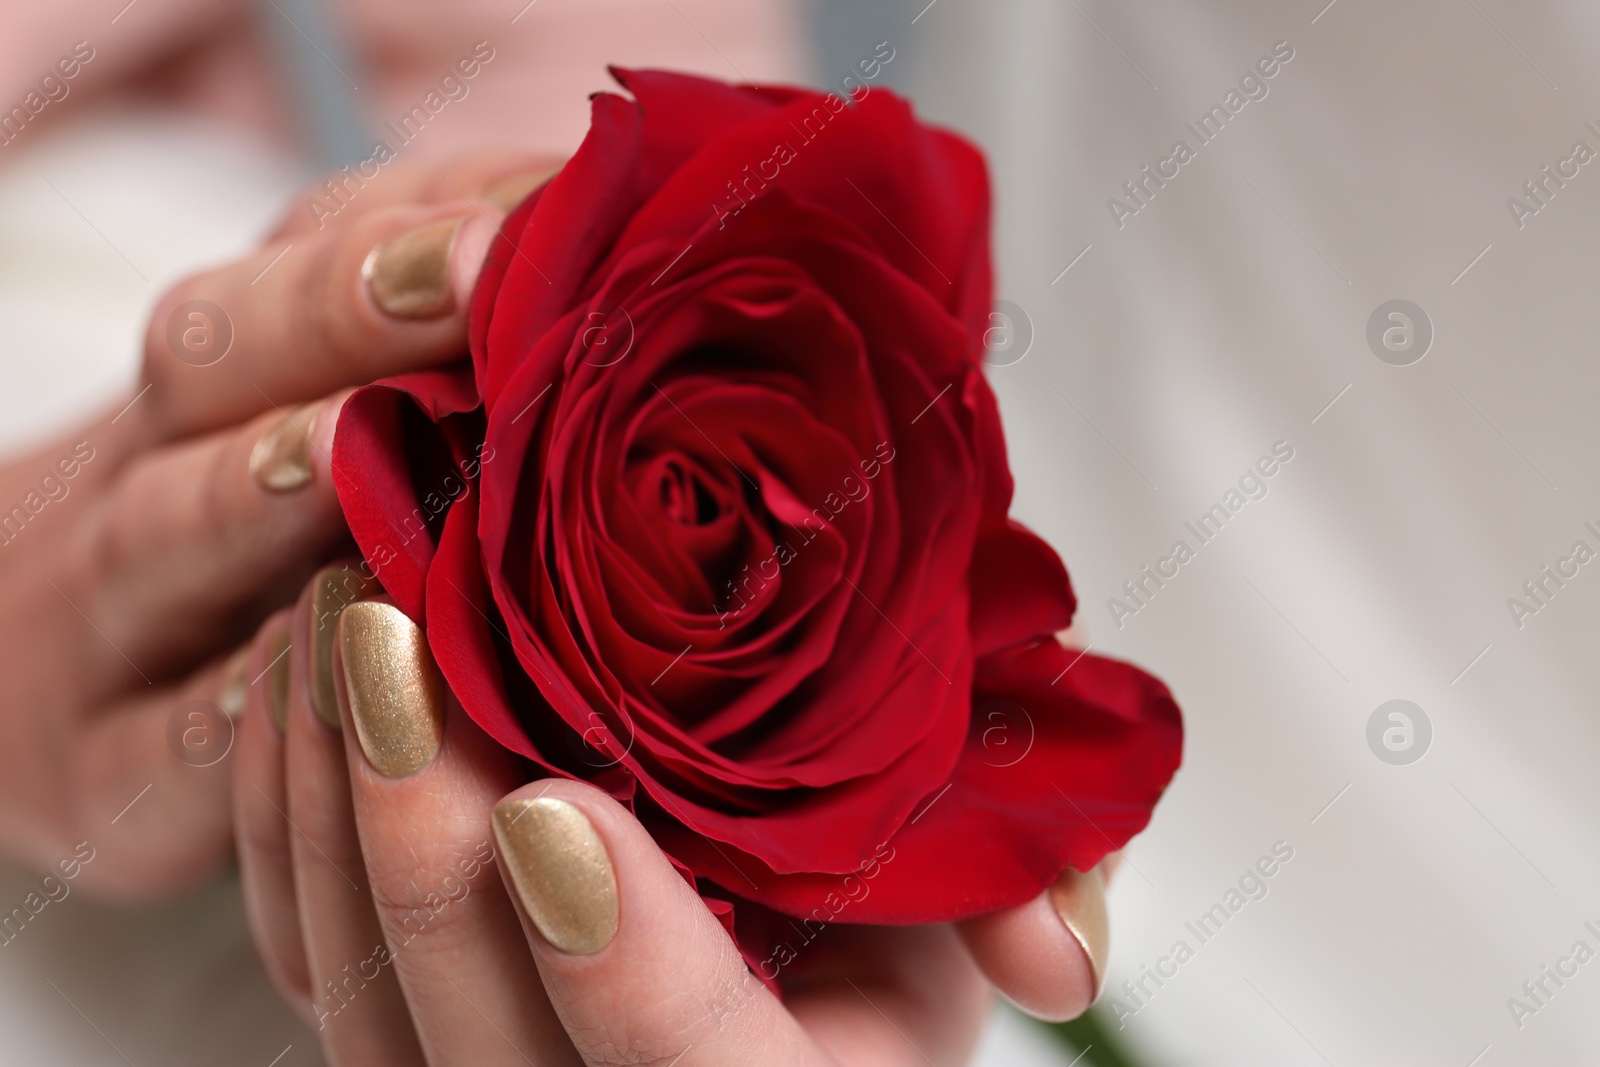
139 551
419 904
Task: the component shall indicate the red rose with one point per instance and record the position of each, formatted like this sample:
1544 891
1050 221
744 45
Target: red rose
738 550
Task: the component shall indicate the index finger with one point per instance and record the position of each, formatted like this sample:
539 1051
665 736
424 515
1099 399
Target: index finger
385 295
423 780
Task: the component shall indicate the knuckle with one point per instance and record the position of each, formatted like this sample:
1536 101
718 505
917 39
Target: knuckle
654 1032
610 1044
104 541
423 903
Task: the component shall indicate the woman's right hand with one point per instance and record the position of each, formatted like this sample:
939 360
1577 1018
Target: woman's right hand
424 904
140 551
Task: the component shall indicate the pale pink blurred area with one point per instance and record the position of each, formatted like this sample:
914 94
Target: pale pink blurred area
215 59
534 92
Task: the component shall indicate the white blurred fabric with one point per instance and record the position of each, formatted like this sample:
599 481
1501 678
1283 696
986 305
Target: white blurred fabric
1224 317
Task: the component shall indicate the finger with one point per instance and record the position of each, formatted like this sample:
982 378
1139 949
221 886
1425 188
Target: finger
503 178
151 784
260 818
423 781
205 536
386 294
637 967
918 978
1047 956
356 1000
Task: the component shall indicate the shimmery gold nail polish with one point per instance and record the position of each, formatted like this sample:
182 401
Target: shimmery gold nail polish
334 589
395 692
277 677
562 873
235 685
1080 900
506 193
281 460
409 274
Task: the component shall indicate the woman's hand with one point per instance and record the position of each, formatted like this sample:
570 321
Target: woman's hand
369 852
137 552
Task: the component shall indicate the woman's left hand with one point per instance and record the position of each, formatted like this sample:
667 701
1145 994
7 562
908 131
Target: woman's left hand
369 867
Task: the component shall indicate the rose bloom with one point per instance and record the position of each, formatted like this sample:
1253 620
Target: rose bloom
716 518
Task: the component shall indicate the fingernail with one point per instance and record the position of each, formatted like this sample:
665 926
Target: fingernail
396 696
334 589
281 459
506 193
235 686
562 873
277 677
1080 900
409 274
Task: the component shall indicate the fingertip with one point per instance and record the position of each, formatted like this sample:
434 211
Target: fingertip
560 869
470 249
323 427
1046 956
626 948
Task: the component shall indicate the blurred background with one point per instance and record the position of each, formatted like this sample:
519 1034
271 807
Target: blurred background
1368 268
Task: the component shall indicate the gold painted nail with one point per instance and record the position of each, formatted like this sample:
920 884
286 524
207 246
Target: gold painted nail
1080 900
409 274
277 678
562 873
281 459
235 686
506 193
395 692
334 589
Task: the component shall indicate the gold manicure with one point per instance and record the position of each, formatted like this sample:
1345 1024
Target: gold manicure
395 692
277 679
1080 900
562 873
409 274
281 459
333 590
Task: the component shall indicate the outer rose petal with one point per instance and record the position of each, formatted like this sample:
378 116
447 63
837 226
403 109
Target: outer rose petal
854 160
1019 589
1107 738
375 476
459 636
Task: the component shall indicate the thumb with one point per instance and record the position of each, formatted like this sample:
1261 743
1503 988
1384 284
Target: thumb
635 965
